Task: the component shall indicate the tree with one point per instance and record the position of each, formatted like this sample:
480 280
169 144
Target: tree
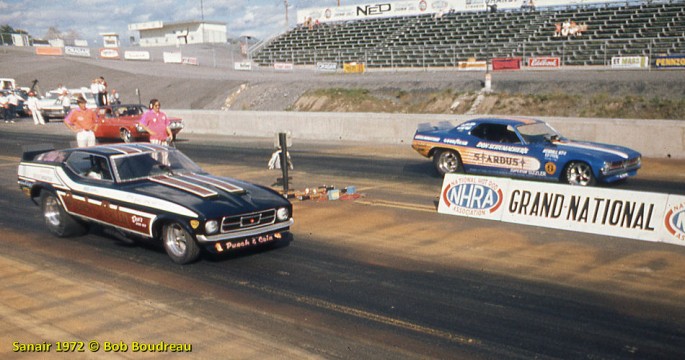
53 33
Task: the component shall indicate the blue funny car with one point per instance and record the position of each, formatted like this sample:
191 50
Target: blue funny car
525 148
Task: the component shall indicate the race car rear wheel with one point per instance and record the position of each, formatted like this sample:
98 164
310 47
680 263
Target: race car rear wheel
579 173
179 243
56 218
447 161
125 135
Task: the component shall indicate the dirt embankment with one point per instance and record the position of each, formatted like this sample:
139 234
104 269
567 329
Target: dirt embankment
564 92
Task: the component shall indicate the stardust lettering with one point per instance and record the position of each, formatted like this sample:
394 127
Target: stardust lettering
494 159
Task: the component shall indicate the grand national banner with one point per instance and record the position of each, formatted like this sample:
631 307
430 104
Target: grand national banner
611 212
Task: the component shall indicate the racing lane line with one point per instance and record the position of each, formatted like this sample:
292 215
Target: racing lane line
14 159
398 205
323 304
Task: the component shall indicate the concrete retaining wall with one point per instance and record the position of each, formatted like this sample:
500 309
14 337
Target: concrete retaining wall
653 138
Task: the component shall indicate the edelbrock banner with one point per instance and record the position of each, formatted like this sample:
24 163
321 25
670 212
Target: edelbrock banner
611 212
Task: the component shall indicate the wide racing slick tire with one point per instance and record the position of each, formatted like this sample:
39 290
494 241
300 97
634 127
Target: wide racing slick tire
579 173
56 218
179 243
125 135
447 161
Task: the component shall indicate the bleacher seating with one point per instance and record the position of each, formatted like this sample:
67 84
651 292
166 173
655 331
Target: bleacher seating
614 29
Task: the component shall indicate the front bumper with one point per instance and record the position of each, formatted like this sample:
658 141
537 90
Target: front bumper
245 234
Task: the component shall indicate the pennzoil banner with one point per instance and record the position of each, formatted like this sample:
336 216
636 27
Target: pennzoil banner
611 212
670 62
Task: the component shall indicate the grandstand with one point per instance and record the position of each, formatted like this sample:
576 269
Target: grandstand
613 29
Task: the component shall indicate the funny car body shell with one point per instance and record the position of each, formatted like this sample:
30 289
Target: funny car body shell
142 188
525 148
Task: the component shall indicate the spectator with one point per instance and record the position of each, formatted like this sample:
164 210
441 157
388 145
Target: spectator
83 122
103 91
34 108
61 88
156 123
65 99
13 105
95 90
4 106
114 97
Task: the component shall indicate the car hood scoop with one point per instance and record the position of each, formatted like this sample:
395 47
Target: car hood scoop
201 185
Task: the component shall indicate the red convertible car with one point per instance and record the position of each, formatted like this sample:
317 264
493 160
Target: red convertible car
120 122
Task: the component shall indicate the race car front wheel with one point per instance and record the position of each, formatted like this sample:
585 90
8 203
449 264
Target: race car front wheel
579 173
179 243
56 218
447 161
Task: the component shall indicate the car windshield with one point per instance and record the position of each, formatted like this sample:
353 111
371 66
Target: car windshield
132 167
537 132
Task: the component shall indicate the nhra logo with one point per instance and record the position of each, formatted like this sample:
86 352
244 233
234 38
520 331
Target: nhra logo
675 221
472 196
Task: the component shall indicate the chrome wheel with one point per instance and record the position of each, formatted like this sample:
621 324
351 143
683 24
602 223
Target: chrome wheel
179 244
579 173
447 161
57 220
52 211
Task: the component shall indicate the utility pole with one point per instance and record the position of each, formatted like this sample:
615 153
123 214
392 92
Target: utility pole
286 14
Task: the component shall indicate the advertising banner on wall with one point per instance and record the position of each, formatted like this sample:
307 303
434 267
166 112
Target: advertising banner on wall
326 66
48 50
281 66
472 65
611 212
544 62
244 65
506 63
670 62
77 51
190 61
630 62
109 54
137 55
354 67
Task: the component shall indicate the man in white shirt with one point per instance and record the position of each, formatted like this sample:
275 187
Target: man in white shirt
32 104
4 106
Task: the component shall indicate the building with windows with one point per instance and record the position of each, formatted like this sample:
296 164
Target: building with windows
158 33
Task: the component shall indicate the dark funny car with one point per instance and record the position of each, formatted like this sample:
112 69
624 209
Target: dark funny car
524 148
153 192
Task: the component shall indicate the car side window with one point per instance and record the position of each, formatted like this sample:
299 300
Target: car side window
90 166
495 133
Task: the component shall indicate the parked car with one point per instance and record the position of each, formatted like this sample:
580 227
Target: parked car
152 192
525 148
121 122
51 103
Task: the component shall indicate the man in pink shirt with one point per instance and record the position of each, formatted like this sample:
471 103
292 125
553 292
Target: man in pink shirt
156 123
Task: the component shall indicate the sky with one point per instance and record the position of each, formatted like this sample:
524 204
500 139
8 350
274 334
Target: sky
89 18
